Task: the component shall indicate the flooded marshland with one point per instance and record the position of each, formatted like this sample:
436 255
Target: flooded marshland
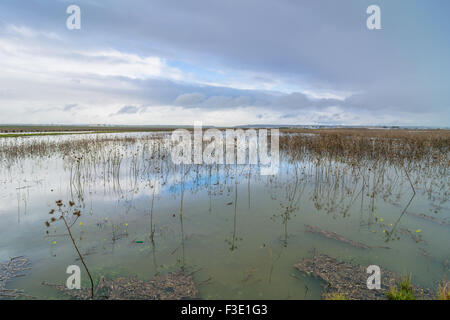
367 198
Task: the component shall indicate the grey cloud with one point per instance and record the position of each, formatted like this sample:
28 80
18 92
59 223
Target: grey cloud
388 99
297 100
70 107
214 98
188 99
315 44
127 110
325 42
331 119
226 102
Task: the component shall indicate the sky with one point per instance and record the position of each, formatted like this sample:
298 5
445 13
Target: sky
227 62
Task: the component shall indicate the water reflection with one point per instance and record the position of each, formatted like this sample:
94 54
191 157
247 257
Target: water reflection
145 215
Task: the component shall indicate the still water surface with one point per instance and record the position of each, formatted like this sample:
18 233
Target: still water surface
240 231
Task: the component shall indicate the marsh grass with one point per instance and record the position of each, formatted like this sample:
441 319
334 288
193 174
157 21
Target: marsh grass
444 290
404 290
342 169
69 215
343 166
335 296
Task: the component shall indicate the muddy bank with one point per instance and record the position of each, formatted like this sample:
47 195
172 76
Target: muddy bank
350 279
437 220
337 237
9 270
171 286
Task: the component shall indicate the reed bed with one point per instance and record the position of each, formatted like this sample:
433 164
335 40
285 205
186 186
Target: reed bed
337 170
343 168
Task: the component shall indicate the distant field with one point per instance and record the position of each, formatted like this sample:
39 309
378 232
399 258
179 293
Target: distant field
36 129
26 131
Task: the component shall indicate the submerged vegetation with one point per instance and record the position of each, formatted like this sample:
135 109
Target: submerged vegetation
368 179
172 286
345 279
15 267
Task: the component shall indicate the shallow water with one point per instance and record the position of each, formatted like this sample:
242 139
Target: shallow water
234 231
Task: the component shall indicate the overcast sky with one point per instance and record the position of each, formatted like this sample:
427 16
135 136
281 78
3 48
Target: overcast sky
227 62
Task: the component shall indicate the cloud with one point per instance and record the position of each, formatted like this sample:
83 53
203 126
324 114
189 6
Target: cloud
19 56
23 31
127 110
283 61
70 107
189 99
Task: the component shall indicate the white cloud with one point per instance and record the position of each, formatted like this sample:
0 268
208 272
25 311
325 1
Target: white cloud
45 78
23 31
29 60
